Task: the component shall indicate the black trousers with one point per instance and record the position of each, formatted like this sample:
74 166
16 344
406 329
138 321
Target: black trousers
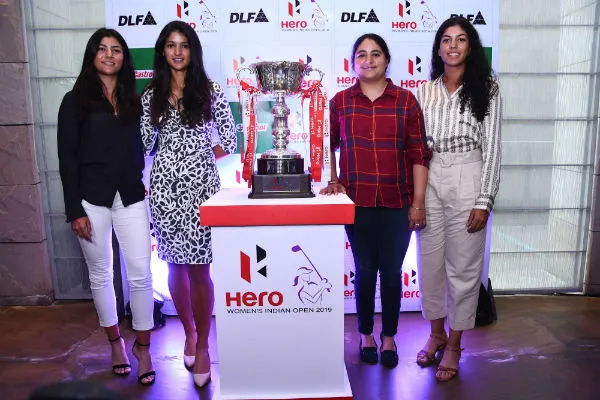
379 238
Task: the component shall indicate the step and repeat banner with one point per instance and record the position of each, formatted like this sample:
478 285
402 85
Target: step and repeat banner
320 33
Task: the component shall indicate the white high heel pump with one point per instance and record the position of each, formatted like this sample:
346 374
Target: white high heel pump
188 361
201 379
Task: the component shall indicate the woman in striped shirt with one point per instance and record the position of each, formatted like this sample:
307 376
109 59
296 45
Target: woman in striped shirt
462 109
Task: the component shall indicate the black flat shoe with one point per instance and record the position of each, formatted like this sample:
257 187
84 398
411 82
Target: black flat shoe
389 358
368 354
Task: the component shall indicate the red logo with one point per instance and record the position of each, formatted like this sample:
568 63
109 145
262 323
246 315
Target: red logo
236 63
245 264
404 8
410 278
349 279
414 65
185 9
294 8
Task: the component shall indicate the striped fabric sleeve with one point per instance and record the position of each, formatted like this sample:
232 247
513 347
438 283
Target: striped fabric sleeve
491 147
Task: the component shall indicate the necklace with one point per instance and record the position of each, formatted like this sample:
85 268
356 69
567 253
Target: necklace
176 102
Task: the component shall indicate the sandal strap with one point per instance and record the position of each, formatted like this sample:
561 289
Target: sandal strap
115 339
454 349
147 375
448 369
425 354
118 366
136 343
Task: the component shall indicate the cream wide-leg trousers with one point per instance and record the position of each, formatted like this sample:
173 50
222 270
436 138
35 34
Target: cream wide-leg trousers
451 259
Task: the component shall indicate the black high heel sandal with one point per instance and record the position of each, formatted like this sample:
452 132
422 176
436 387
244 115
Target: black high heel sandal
368 354
147 374
389 358
119 366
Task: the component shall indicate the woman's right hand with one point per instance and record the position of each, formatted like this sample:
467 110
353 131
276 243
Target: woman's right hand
333 188
82 228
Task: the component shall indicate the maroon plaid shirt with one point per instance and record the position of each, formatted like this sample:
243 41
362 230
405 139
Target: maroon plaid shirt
379 143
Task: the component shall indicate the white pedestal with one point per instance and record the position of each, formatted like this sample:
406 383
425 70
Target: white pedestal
279 295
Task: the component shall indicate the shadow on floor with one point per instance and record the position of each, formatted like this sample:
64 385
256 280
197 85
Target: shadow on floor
542 347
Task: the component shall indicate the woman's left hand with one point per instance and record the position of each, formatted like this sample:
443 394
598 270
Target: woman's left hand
416 218
477 220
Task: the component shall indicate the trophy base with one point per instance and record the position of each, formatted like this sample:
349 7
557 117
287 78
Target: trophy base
280 166
281 186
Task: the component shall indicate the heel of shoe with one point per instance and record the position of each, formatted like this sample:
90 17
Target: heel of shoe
201 380
188 362
425 359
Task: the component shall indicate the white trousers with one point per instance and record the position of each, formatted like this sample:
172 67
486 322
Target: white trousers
133 233
451 259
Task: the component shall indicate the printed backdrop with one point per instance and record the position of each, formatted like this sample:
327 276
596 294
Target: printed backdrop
237 33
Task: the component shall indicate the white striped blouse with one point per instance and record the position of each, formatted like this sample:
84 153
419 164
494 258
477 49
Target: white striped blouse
450 131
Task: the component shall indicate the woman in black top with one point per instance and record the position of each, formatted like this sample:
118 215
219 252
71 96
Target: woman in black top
101 163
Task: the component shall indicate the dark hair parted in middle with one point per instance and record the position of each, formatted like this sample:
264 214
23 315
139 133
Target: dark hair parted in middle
88 86
197 91
377 39
478 83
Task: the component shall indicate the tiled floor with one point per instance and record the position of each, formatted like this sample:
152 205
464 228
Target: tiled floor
541 348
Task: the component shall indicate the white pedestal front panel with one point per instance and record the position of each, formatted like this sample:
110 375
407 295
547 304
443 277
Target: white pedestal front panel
279 305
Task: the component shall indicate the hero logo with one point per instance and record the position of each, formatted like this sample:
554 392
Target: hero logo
349 280
475 19
207 19
414 68
359 16
414 65
237 64
404 8
407 279
307 83
406 11
299 17
134 20
345 80
243 18
252 299
185 8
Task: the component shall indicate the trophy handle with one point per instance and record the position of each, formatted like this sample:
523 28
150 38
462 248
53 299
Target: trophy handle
310 69
239 70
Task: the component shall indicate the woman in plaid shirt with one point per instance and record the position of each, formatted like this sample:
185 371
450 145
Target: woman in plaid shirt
384 158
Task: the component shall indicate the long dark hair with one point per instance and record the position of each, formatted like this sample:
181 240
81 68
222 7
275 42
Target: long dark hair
377 39
478 81
197 91
88 86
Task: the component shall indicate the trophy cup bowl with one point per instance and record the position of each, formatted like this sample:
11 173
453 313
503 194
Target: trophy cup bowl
280 171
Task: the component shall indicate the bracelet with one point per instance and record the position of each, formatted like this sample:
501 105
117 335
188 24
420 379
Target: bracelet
333 182
417 208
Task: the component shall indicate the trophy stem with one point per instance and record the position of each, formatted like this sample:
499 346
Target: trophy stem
280 131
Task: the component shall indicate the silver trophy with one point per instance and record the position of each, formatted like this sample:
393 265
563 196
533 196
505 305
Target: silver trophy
280 171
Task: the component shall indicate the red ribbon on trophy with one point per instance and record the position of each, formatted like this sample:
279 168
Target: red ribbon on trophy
249 123
318 125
